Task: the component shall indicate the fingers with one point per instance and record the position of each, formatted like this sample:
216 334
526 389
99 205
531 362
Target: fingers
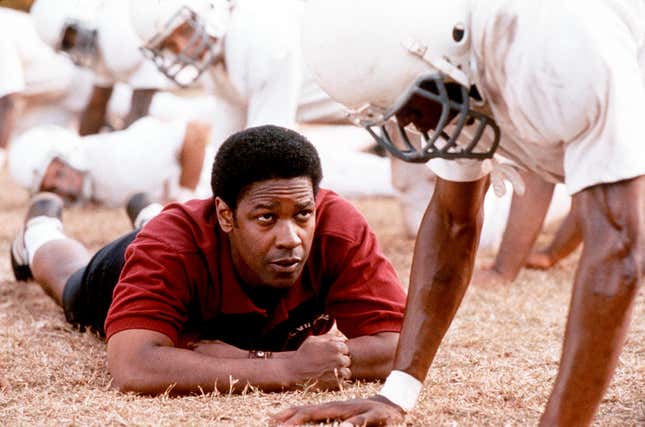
342 347
305 414
344 361
282 416
344 373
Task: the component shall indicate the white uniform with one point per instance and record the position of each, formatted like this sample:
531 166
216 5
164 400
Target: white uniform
120 59
569 102
122 163
264 80
27 64
50 88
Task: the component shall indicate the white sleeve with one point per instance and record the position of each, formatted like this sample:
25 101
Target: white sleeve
12 78
273 99
268 63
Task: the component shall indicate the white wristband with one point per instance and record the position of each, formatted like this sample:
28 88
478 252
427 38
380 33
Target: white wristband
402 389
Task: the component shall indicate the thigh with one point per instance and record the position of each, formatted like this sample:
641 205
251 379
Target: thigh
88 292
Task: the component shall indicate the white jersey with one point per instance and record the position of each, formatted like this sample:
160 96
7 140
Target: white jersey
565 80
264 80
120 60
27 65
143 157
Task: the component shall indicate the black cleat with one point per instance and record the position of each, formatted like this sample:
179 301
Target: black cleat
136 206
42 204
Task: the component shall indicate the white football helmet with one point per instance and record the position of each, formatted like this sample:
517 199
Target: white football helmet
68 26
205 22
30 154
409 62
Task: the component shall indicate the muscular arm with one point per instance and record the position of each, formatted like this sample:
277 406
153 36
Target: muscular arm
93 116
444 255
139 105
147 362
7 118
371 355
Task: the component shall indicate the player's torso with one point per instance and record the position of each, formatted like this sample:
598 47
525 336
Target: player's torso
543 68
143 157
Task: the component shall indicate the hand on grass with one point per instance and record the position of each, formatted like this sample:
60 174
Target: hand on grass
375 411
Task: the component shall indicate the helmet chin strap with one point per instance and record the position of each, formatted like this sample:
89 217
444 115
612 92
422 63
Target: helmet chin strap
419 49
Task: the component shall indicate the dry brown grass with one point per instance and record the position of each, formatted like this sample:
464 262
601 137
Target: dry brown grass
495 366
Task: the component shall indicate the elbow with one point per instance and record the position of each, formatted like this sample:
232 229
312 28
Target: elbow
132 375
127 379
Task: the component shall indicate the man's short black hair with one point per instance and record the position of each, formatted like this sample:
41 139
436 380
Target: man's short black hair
260 153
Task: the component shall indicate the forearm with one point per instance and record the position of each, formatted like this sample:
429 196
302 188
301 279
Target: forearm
93 116
443 260
372 355
525 221
192 154
7 118
140 105
186 371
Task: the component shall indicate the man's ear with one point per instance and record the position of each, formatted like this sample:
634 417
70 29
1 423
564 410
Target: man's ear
225 215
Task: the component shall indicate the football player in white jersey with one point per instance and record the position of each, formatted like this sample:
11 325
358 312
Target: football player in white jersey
563 84
168 161
97 35
29 71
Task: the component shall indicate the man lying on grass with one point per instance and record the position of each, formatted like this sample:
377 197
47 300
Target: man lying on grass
244 286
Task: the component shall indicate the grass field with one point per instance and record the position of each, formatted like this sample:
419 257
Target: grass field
495 367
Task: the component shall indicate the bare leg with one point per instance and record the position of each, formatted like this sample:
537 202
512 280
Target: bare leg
565 241
55 262
611 217
523 226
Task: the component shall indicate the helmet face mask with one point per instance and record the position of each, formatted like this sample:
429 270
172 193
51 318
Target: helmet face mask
439 112
193 57
79 43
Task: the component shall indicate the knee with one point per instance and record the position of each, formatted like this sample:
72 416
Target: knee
616 255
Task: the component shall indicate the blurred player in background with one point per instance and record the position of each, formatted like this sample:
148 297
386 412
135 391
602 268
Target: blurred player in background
168 161
31 74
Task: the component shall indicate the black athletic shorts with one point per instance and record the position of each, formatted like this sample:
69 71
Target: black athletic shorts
88 292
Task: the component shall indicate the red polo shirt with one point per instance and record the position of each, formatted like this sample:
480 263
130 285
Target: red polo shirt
178 279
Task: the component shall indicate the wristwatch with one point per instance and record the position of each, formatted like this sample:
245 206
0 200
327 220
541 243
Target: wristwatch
259 354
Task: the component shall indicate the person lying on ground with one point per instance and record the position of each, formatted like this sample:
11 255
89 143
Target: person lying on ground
164 159
240 288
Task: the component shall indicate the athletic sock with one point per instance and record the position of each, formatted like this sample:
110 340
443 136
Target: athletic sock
41 230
